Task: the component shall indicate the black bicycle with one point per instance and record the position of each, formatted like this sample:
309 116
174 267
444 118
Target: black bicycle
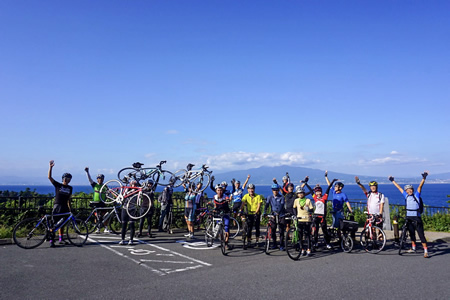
404 235
104 217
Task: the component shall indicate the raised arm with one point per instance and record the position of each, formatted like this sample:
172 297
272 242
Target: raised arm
211 186
88 175
326 177
311 192
51 165
424 177
246 181
358 182
329 186
391 178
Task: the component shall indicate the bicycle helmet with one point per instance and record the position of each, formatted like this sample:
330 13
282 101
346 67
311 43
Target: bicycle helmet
224 183
150 181
299 189
285 178
408 186
275 187
290 185
373 183
339 184
101 176
318 189
251 186
66 175
218 186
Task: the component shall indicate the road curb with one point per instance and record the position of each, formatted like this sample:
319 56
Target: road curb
6 241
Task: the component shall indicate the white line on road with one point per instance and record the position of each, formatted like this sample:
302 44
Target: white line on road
167 261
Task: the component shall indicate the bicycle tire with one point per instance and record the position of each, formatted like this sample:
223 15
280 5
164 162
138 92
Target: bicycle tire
244 234
209 233
30 233
180 178
115 225
234 227
164 178
92 223
267 240
138 206
347 243
223 245
77 232
129 172
292 244
112 191
403 238
204 179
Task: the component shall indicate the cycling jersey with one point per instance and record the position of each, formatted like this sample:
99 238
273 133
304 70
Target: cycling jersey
412 204
374 200
338 201
276 203
221 204
321 204
190 200
62 194
303 213
289 199
237 195
252 203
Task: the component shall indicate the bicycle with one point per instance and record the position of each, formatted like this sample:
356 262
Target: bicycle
32 232
245 226
214 230
137 203
136 172
96 221
404 235
347 228
292 241
185 177
373 238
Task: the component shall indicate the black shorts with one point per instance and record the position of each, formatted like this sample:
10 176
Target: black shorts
237 207
60 209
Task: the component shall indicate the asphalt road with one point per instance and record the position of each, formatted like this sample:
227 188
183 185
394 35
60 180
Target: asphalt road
168 267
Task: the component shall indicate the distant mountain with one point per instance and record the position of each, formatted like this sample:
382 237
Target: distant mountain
264 176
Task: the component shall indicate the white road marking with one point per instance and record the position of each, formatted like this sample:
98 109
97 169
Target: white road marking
167 261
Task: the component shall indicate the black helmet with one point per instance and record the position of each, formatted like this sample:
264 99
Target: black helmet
66 175
339 184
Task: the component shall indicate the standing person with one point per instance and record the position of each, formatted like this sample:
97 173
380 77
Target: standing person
276 204
304 206
149 189
252 203
339 198
224 185
221 205
189 209
165 198
63 195
125 218
286 180
413 212
97 200
237 194
375 200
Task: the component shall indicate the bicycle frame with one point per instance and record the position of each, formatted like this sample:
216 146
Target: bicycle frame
49 227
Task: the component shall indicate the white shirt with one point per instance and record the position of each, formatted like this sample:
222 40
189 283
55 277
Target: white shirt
373 202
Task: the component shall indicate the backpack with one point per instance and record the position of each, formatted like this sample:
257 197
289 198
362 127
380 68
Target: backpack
420 202
165 196
370 192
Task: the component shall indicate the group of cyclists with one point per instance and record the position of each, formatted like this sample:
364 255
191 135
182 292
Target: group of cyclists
286 200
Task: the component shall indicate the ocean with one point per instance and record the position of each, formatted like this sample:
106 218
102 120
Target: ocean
432 194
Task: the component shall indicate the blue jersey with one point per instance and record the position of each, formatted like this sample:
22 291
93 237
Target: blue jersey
237 195
412 204
338 200
276 204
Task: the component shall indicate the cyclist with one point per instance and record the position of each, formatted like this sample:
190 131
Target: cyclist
320 213
237 193
149 189
189 209
276 203
63 195
224 185
413 212
97 200
289 199
304 206
286 180
375 200
221 205
252 203
165 198
339 198
125 218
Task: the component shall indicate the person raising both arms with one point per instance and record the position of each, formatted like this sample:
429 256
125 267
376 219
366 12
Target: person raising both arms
63 195
237 194
339 198
413 212
286 180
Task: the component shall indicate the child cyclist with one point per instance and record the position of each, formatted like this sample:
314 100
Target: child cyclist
303 206
413 212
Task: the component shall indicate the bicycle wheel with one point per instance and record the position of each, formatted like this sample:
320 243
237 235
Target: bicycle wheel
209 233
179 177
164 178
347 243
111 191
77 232
378 241
292 243
403 238
233 227
244 234
127 174
138 206
267 240
203 179
223 245
114 224
92 223
29 233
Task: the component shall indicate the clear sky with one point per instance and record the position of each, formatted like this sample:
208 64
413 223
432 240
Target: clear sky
357 87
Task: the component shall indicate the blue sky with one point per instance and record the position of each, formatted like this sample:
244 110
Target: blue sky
350 86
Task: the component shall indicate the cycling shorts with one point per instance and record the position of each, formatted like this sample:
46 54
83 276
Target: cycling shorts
189 213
